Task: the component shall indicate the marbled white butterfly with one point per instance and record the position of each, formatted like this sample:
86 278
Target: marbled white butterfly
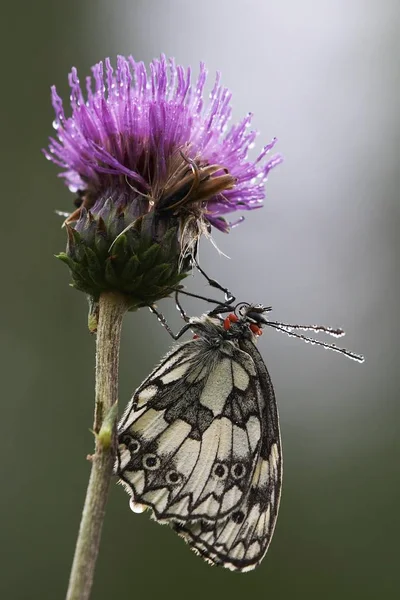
199 443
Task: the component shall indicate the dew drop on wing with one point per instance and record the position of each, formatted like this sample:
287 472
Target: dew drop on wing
136 507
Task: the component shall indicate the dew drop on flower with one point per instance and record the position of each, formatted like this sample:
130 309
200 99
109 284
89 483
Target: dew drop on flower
152 116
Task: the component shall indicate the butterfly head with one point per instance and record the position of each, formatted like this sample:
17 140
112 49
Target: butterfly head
243 320
246 318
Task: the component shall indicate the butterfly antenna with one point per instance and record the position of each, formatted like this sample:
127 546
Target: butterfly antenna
357 357
334 332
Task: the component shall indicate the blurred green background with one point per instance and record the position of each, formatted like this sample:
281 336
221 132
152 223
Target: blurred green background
323 77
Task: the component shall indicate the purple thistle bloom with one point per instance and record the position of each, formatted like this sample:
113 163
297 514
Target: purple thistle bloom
149 140
154 167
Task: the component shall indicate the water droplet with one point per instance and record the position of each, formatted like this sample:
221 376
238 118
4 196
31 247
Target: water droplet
136 507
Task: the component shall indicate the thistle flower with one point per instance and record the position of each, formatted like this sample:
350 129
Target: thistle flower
153 167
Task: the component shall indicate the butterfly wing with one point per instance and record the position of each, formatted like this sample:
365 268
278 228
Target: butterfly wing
240 541
190 438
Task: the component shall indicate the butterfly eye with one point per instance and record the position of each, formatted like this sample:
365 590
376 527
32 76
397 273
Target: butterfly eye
220 471
238 517
134 446
151 462
238 470
173 477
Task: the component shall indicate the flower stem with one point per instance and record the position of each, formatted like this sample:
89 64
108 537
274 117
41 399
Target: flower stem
112 307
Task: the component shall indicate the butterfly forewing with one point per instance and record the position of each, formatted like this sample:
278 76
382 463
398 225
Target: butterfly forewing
191 438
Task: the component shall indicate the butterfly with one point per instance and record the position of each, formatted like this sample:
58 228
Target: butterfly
199 443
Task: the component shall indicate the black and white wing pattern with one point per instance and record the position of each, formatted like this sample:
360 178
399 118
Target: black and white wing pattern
199 443
190 440
240 541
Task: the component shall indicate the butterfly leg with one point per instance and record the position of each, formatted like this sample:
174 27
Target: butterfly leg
180 307
164 323
221 306
210 300
229 297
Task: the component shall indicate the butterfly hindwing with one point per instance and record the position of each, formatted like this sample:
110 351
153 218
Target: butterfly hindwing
190 438
240 541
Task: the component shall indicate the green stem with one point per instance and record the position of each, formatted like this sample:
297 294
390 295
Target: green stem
112 307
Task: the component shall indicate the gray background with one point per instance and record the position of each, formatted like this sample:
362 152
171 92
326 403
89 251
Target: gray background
323 76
